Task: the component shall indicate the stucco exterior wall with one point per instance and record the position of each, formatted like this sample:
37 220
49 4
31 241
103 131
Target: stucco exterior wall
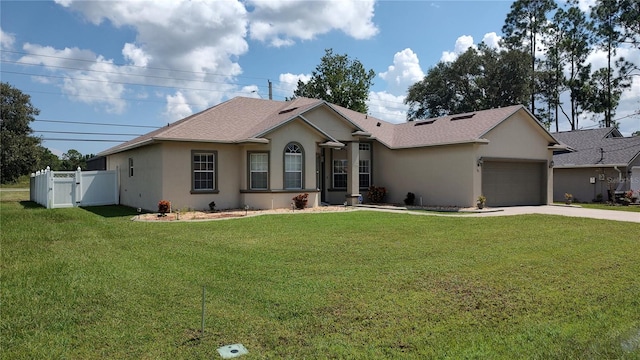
519 138
299 132
577 181
440 175
331 123
177 175
144 188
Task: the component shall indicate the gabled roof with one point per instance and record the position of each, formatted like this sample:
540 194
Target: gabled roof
445 130
242 119
596 147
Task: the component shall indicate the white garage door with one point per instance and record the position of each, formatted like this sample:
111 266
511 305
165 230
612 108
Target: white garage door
510 183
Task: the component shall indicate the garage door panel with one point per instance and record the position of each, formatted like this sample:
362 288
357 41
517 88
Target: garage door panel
507 183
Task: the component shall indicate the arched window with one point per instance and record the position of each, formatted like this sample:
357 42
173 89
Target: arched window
293 165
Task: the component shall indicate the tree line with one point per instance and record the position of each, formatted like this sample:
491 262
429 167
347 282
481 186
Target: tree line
21 152
543 56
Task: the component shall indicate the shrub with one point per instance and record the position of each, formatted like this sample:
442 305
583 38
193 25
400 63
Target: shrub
163 206
410 199
376 194
212 206
300 200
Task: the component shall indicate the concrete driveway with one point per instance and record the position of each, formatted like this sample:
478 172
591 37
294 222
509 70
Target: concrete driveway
574 211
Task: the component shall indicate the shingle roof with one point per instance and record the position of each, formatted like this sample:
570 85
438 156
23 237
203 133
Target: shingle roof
596 147
243 119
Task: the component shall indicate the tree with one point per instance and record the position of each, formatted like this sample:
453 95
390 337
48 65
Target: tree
573 48
524 27
476 80
339 80
629 23
608 16
47 159
432 96
19 149
604 95
72 160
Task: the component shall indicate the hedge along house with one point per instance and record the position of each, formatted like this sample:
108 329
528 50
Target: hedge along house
261 153
598 164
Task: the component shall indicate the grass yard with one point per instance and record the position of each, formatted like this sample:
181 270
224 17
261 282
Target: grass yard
632 208
90 283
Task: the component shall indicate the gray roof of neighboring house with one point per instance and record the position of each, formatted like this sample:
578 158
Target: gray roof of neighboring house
244 119
596 147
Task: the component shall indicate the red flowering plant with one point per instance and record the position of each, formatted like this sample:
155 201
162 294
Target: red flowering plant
163 207
300 200
376 193
628 197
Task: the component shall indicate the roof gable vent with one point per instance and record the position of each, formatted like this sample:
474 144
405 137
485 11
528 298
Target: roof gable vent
462 117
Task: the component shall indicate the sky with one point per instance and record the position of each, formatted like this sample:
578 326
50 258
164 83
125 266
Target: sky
102 72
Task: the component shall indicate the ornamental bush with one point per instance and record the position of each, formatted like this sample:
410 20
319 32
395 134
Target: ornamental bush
376 194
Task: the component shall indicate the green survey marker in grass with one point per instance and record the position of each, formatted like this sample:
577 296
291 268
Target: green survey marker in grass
91 283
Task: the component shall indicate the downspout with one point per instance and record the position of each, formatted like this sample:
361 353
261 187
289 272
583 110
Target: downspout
619 174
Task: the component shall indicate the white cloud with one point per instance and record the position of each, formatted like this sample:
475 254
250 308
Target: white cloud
586 5
289 83
6 40
177 107
280 22
196 42
135 55
404 72
463 43
94 80
492 40
387 106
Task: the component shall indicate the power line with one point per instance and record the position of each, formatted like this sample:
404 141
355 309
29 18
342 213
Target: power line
126 74
92 140
151 76
129 65
101 124
84 133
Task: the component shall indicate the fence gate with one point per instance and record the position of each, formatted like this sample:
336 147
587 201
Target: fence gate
58 189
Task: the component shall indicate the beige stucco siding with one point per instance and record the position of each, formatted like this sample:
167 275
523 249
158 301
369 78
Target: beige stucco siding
519 138
302 134
440 175
177 174
331 123
144 188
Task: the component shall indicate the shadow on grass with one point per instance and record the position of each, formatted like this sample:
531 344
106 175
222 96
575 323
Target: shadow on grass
109 211
30 205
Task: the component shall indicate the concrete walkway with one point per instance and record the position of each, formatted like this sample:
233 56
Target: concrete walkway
573 211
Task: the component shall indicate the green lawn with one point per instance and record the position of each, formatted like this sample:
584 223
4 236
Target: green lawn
91 283
633 208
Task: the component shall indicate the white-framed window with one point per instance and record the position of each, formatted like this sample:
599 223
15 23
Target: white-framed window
365 147
293 165
130 167
365 173
203 164
340 173
259 171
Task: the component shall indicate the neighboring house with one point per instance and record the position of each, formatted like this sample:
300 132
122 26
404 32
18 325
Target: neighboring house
598 163
261 153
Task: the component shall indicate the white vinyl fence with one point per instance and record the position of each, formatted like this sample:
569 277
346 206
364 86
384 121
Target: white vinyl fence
58 189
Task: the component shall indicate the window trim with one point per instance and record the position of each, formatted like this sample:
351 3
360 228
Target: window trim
249 172
215 172
333 173
284 166
360 173
130 167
